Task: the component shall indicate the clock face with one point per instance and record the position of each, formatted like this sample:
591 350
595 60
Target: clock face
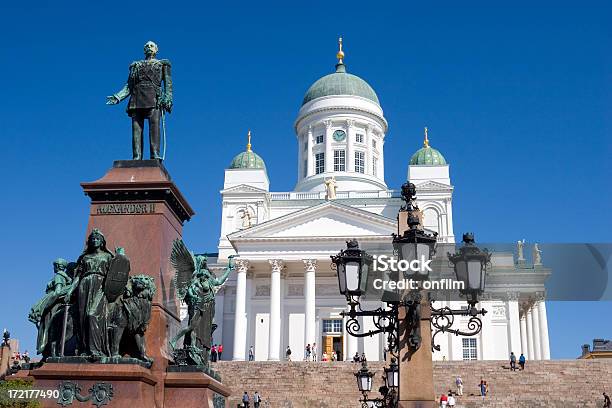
339 135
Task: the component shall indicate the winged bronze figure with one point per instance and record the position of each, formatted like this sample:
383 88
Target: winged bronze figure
196 286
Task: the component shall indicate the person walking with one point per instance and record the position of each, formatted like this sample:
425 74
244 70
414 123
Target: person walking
245 400
256 400
443 401
251 353
213 353
483 388
512 361
307 352
459 383
219 351
607 402
522 361
314 351
451 401
288 354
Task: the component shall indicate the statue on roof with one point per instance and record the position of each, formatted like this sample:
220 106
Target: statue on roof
149 86
330 187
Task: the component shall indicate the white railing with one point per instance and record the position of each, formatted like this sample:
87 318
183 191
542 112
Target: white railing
320 195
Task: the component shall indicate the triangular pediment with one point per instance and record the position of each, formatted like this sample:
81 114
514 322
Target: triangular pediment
432 185
328 219
242 189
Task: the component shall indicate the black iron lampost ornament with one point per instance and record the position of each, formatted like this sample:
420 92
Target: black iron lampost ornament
353 266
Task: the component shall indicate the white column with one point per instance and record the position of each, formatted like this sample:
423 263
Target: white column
310 266
309 158
369 152
544 341
240 322
515 328
537 343
352 346
350 150
329 154
530 354
524 336
218 320
275 310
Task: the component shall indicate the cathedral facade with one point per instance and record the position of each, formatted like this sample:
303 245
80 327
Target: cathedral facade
285 293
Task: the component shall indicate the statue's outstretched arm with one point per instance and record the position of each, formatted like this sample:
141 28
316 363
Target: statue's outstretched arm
221 279
119 96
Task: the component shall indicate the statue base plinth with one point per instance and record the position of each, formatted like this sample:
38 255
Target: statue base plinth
193 389
132 384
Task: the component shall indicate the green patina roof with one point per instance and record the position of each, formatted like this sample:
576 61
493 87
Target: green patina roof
247 160
340 83
427 156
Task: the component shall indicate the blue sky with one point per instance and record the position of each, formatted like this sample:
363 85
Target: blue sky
516 98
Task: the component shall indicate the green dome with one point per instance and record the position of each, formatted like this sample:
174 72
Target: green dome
340 83
427 156
247 160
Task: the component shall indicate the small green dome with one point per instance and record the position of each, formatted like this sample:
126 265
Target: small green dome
340 83
427 156
247 160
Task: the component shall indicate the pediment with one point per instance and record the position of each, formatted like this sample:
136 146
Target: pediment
242 189
432 185
328 219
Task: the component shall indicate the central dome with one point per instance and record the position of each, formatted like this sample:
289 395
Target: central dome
340 83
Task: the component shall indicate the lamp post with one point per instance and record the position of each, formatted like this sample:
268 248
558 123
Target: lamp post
410 244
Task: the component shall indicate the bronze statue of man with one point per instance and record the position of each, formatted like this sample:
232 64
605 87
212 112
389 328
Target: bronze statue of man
149 87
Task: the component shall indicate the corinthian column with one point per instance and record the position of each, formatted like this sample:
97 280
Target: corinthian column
310 266
530 354
537 341
275 310
240 322
544 331
524 336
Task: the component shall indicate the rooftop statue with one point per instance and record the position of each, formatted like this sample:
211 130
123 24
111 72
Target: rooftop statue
197 286
149 87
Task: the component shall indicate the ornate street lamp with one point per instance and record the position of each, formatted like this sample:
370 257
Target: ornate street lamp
364 378
392 374
470 265
353 266
414 244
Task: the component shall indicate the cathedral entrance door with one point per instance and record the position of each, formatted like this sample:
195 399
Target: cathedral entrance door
328 344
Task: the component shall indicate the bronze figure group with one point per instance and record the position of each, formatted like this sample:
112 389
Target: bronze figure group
93 308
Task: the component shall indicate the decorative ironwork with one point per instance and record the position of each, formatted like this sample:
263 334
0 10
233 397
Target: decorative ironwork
99 394
218 401
442 320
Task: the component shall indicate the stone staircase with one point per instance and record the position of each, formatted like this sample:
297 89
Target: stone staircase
561 383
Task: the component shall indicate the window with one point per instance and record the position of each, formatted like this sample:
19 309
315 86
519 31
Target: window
359 138
470 350
359 162
374 143
339 160
375 166
319 163
332 326
305 173
319 139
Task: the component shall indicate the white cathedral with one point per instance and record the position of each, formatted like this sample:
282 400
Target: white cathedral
284 291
